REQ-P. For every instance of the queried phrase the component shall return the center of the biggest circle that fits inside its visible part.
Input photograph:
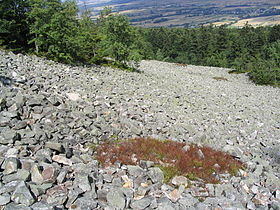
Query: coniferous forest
(56, 30)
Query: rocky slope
(50, 113)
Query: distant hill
(190, 13)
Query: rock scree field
(54, 116)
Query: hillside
(52, 115)
(190, 13)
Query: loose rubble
(52, 115)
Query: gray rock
(21, 174)
(61, 159)
(41, 206)
(200, 154)
(4, 121)
(135, 170)
(180, 180)
(2, 103)
(5, 199)
(14, 206)
(72, 196)
(156, 174)
(166, 206)
(20, 125)
(9, 136)
(84, 203)
(146, 164)
(116, 199)
(9, 187)
(41, 189)
(82, 181)
(141, 204)
(188, 200)
(36, 175)
(22, 195)
(275, 205)
(36, 100)
(11, 165)
(54, 146)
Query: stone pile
(52, 116)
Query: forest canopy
(55, 30)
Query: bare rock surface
(51, 113)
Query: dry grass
(181, 64)
(220, 78)
(170, 155)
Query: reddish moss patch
(170, 154)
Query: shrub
(171, 157)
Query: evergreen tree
(14, 30)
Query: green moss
(233, 170)
(197, 163)
(191, 176)
(169, 172)
(93, 146)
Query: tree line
(55, 30)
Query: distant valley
(190, 13)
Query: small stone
(245, 188)
(72, 196)
(11, 165)
(186, 148)
(128, 184)
(54, 146)
(61, 177)
(255, 189)
(180, 180)
(49, 175)
(20, 125)
(250, 205)
(82, 181)
(14, 206)
(199, 192)
(9, 187)
(11, 153)
(146, 164)
(4, 121)
(116, 199)
(135, 170)
(156, 175)
(57, 195)
(277, 194)
(84, 203)
(73, 96)
(21, 174)
(174, 195)
(42, 206)
(4, 199)
(2, 103)
(36, 175)
(9, 136)
(22, 195)
(275, 205)
(200, 154)
(35, 101)
(41, 189)
(62, 160)
(140, 193)
(260, 199)
(188, 200)
(141, 204)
